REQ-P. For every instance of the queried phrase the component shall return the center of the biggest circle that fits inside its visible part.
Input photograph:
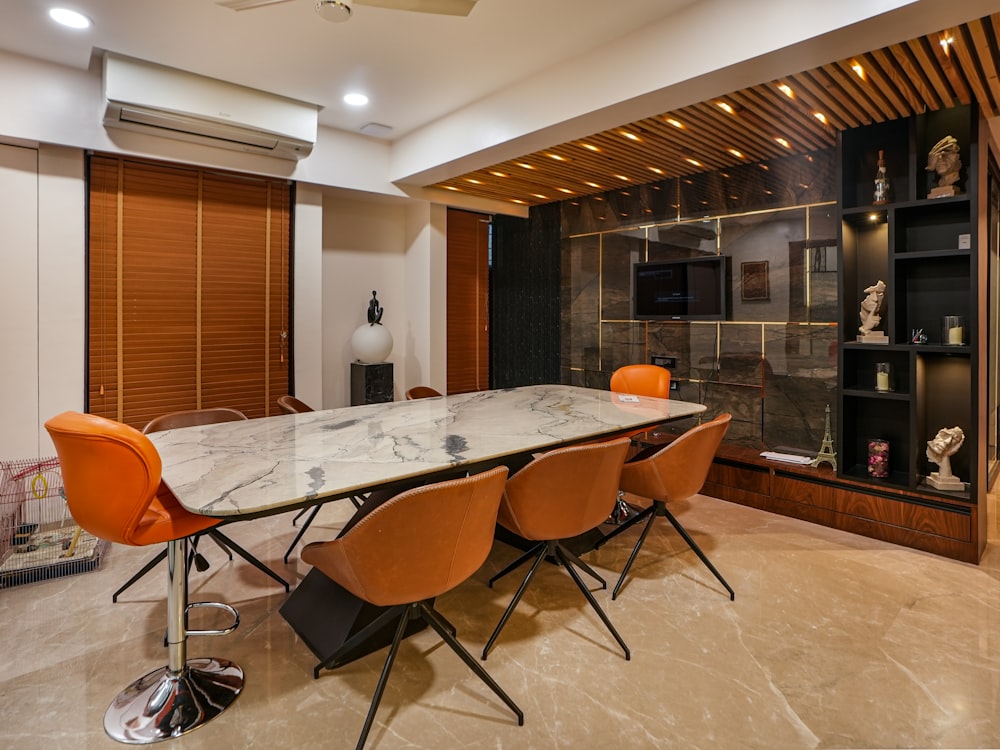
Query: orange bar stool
(421, 391)
(406, 552)
(111, 475)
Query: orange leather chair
(560, 494)
(642, 380)
(111, 475)
(421, 391)
(291, 405)
(673, 472)
(192, 418)
(410, 549)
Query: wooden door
(468, 336)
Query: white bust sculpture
(870, 307)
(940, 450)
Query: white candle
(955, 335)
(881, 381)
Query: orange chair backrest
(417, 545)
(421, 391)
(679, 469)
(110, 472)
(642, 380)
(193, 418)
(564, 492)
(292, 405)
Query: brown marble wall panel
(744, 403)
(602, 212)
(619, 252)
(800, 381)
(622, 344)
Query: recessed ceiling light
(946, 42)
(782, 142)
(656, 170)
(725, 107)
(630, 136)
(474, 182)
(785, 89)
(693, 162)
(524, 165)
(540, 196)
(556, 157)
(69, 18)
(734, 152)
(355, 100)
(591, 147)
(820, 116)
(565, 190)
(592, 184)
(451, 187)
(675, 123)
(858, 69)
(517, 200)
(622, 177)
(496, 173)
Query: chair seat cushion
(166, 519)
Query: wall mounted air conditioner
(172, 103)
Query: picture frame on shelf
(755, 284)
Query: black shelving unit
(926, 250)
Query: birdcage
(38, 537)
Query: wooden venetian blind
(468, 358)
(188, 290)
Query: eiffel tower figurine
(826, 451)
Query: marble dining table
(246, 469)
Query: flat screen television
(683, 289)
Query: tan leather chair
(673, 472)
(192, 418)
(111, 476)
(421, 391)
(561, 494)
(291, 405)
(410, 549)
(642, 380)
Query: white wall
(41, 294)
(366, 244)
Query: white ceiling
(415, 67)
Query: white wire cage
(39, 539)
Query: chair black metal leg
(219, 536)
(145, 569)
(362, 636)
(543, 549)
(312, 514)
(593, 602)
(585, 568)
(697, 550)
(221, 546)
(631, 557)
(433, 618)
(384, 677)
(624, 527)
(516, 564)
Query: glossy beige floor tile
(834, 641)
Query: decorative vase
(878, 459)
(371, 343)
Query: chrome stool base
(164, 704)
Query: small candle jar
(878, 458)
(883, 377)
(953, 330)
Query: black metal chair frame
(658, 508)
(541, 551)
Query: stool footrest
(216, 605)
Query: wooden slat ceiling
(762, 122)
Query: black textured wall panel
(524, 298)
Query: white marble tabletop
(272, 464)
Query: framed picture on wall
(755, 285)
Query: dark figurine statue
(374, 311)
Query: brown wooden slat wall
(188, 290)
